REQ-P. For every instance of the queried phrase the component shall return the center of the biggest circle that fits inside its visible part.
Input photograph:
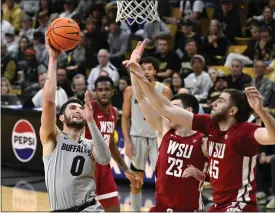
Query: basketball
(63, 34)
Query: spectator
(265, 48)
(190, 49)
(13, 14)
(219, 86)
(261, 17)
(24, 43)
(215, 43)
(79, 86)
(169, 61)
(191, 9)
(214, 74)
(186, 33)
(268, 20)
(68, 9)
(44, 7)
(12, 45)
(271, 71)
(104, 64)
(8, 64)
(118, 98)
(5, 86)
(35, 87)
(261, 82)
(43, 20)
(199, 82)
(176, 83)
(30, 8)
(237, 79)
(27, 29)
(39, 46)
(118, 40)
(154, 30)
(248, 55)
(5, 26)
(230, 19)
(63, 81)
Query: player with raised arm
(179, 148)
(232, 142)
(139, 138)
(68, 158)
(106, 116)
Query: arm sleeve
(245, 142)
(201, 123)
(102, 151)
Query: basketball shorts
(106, 187)
(234, 207)
(160, 208)
(144, 148)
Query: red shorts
(161, 208)
(234, 207)
(106, 188)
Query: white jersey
(69, 173)
(139, 126)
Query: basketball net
(137, 11)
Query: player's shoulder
(129, 90)
(246, 127)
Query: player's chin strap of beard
(78, 208)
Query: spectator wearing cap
(27, 29)
(169, 62)
(12, 45)
(219, 86)
(5, 26)
(186, 33)
(104, 64)
(237, 79)
(215, 43)
(154, 30)
(8, 64)
(265, 48)
(118, 40)
(230, 19)
(261, 82)
(248, 55)
(13, 14)
(198, 82)
(43, 20)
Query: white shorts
(144, 148)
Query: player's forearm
(102, 152)
(269, 123)
(136, 88)
(125, 124)
(49, 88)
(117, 156)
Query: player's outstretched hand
(254, 98)
(192, 171)
(138, 51)
(88, 109)
(134, 68)
(135, 180)
(54, 54)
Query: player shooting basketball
(68, 158)
(232, 145)
(179, 148)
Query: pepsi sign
(24, 140)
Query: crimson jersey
(232, 161)
(173, 191)
(105, 183)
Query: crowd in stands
(203, 47)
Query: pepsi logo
(24, 140)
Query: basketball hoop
(137, 11)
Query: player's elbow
(104, 159)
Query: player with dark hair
(232, 145)
(68, 158)
(139, 138)
(106, 116)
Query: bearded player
(232, 145)
(106, 116)
(68, 158)
(179, 148)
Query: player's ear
(113, 91)
(233, 111)
(61, 118)
(190, 109)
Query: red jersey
(105, 122)
(173, 191)
(232, 161)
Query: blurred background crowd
(202, 46)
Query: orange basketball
(63, 34)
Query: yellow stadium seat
(249, 71)
(175, 12)
(223, 69)
(242, 41)
(172, 28)
(236, 49)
